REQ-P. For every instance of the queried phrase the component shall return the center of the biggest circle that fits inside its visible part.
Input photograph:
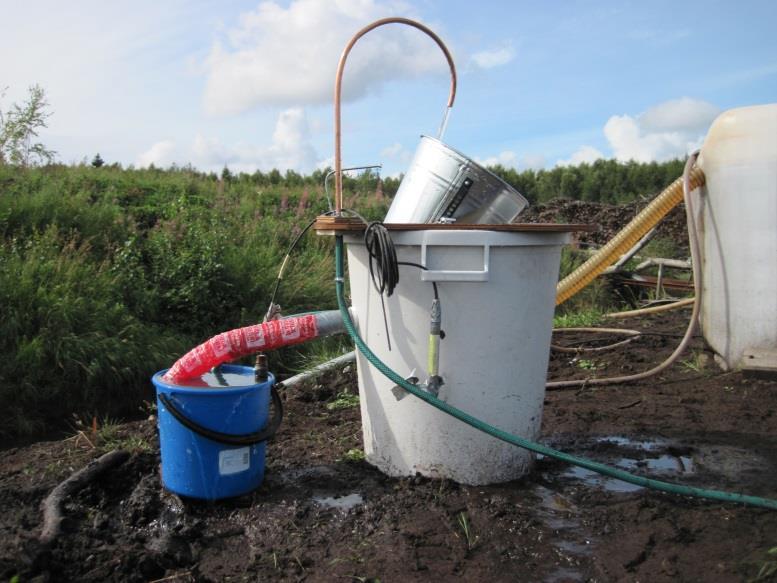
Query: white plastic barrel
(739, 226)
(497, 291)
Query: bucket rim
(510, 188)
(469, 237)
(166, 386)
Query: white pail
(497, 291)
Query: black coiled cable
(384, 268)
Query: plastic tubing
(632, 335)
(717, 495)
(627, 237)
(687, 186)
(685, 303)
(233, 344)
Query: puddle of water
(648, 457)
(623, 441)
(660, 458)
(554, 507)
(339, 502)
(590, 477)
(665, 463)
(561, 515)
(661, 466)
(563, 575)
(573, 548)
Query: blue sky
(249, 84)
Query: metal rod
(345, 359)
(339, 83)
(331, 172)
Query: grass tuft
(343, 400)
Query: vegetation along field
(108, 274)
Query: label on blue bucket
(234, 461)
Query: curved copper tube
(339, 82)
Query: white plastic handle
(455, 275)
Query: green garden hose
(603, 469)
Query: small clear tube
(444, 124)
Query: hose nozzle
(433, 364)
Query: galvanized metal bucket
(443, 185)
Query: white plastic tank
(739, 229)
(497, 292)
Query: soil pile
(609, 218)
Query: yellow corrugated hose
(626, 238)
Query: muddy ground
(324, 515)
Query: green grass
(108, 275)
(697, 363)
(466, 529)
(110, 436)
(586, 319)
(587, 364)
(343, 400)
(317, 353)
(768, 569)
(662, 247)
(354, 455)
(587, 307)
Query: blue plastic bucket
(206, 434)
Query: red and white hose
(239, 342)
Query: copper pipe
(339, 82)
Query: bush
(109, 275)
(67, 339)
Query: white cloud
(533, 162)
(583, 155)
(684, 114)
(493, 58)
(160, 154)
(290, 149)
(326, 163)
(671, 129)
(283, 56)
(397, 152)
(506, 158)
(509, 159)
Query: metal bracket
(400, 393)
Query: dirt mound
(609, 218)
(324, 515)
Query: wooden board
(331, 225)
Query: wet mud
(324, 515)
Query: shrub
(67, 340)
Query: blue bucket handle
(227, 438)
